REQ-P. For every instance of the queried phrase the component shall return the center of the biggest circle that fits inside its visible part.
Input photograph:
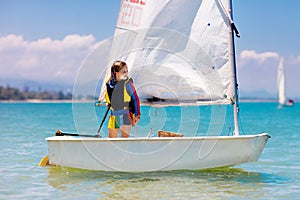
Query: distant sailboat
(281, 88)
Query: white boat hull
(154, 154)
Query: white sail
(175, 50)
(281, 83)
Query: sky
(46, 40)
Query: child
(123, 101)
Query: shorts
(116, 121)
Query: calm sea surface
(24, 127)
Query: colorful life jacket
(117, 95)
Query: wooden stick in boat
(162, 133)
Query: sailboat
(281, 88)
(179, 54)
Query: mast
(235, 99)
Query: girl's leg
(112, 128)
(113, 133)
(125, 131)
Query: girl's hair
(116, 67)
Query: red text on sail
(131, 12)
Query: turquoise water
(24, 127)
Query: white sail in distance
(175, 50)
(281, 83)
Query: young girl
(123, 100)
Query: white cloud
(12, 42)
(44, 60)
(70, 42)
(258, 57)
(297, 60)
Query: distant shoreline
(46, 101)
(257, 100)
(93, 101)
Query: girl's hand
(136, 119)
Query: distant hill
(259, 94)
(83, 91)
(35, 86)
(12, 93)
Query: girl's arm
(134, 98)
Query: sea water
(24, 127)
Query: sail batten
(175, 50)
